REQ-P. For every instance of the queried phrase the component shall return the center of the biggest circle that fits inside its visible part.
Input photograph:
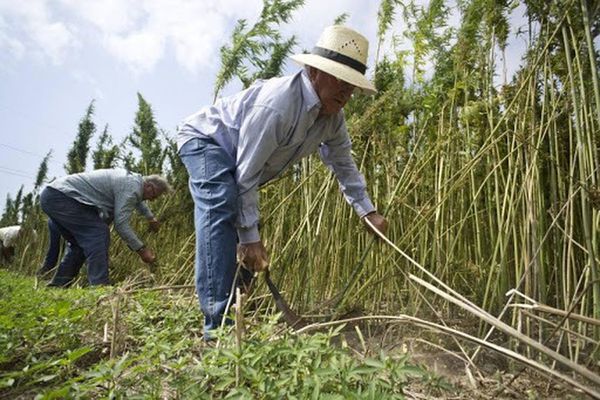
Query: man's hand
(377, 220)
(153, 225)
(146, 255)
(253, 256)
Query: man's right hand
(146, 255)
(253, 256)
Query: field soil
(490, 375)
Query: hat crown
(346, 42)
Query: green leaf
(76, 354)
(8, 382)
(224, 383)
(364, 370)
(374, 363)
(413, 370)
(46, 378)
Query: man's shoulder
(280, 93)
(129, 186)
(119, 176)
(114, 172)
(281, 83)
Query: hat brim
(340, 71)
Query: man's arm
(125, 203)
(143, 209)
(257, 141)
(336, 154)
(124, 206)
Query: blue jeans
(87, 234)
(214, 190)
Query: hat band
(338, 57)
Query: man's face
(150, 192)
(333, 93)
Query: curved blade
(289, 316)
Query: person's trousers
(214, 190)
(87, 234)
(53, 247)
(6, 254)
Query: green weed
(68, 344)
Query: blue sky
(58, 55)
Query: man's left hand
(378, 221)
(253, 256)
(147, 255)
(153, 225)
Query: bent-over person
(9, 236)
(83, 205)
(241, 142)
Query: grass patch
(92, 343)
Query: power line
(9, 172)
(26, 152)
(18, 171)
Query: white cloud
(139, 50)
(30, 27)
(194, 29)
(54, 39)
(109, 16)
(138, 33)
(14, 47)
(135, 32)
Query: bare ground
(489, 376)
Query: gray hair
(159, 183)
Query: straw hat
(341, 52)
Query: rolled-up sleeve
(257, 141)
(336, 154)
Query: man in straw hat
(249, 138)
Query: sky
(56, 56)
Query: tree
(42, 173)
(177, 174)
(11, 209)
(145, 139)
(385, 18)
(77, 155)
(7, 218)
(106, 153)
(28, 207)
(260, 46)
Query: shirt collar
(311, 99)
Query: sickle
(289, 316)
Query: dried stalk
(115, 326)
(511, 332)
(454, 332)
(555, 325)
